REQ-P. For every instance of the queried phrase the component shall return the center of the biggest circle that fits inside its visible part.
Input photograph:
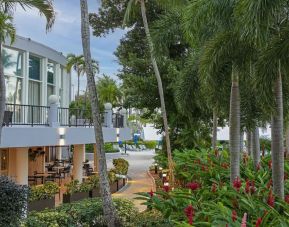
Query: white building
(42, 124)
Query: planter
(94, 193)
(40, 205)
(114, 187)
(68, 198)
(121, 183)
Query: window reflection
(12, 62)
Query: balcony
(32, 115)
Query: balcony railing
(16, 114)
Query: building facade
(39, 126)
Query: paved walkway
(139, 180)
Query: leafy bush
(203, 193)
(45, 191)
(13, 200)
(150, 144)
(74, 187)
(151, 218)
(87, 212)
(111, 175)
(121, 166)
(108, 147)
(93, 181)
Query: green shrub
(89, 148)
(13, 199)
(93, 181)
(74, 187)
(88, 212)
(151, 218)
(108, 147)
(121, 166)
(111, 175)
(150, 144)
(45, 191)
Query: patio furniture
(7, 120)
(32, 179)
(88, 169)
(66, 170)
(42, 176)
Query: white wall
(151, 133)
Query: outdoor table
(58, 168)
(42, 176)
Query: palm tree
(265, 22)
(108, 91)
(109, 210)
(159, 81)
(77, 63)
(7, 30)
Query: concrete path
(139, 180)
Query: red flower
(271, 199)
(234, 215)
(166, 188)
(270, 164)
(214, 187)
(225, 165)
(189, 212)
(151, 193)
(258, 222)
(258, 166)
(287, 198)
(237, 184)
(247, 188)
(193, 186)
(269, 184)
(250, 187)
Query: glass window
(13, 89)
(12, 62)
(50, 73)
(34, 98)
(4, 162)
(34, 67)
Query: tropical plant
(77, 63)
(109, 210)
(121, 166)
(45, 191)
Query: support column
(95, 158)
(22, 166)
(59, 153)
(84, 157)
(78, 162)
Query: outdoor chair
(88, 170)
(7, 120)
(32, 179)
(66, 170)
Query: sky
(65, 36)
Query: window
(4, 162)
(12, 62)
(50, 79)
(13, 70)
(34, 68)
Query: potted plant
(94, 183)
(121, 168)
(76, 191)
(112, 181)
(42, 196)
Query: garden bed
(68, 198)
(40, 205)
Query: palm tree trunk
(109, 210)
(2, 93)
(78, 84)
(256, 147)
(161, 92)
(277, 139)
(215, 127)
(241, 141)
(235, 127)
(249, 142)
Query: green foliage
(87, 212)
(45, 191)
(93, 181)
(152, 218)
(111, 176)
(121, 166)
(74, 187)
(150, 144)
(13, 200)
(108, 147)
(215, 199)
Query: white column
(57, 79)
(123, 112)
(44, 82)
(84, 157)
(108, 115)
(53, 111)
(59, 153)
(25, 78)
(78, 162)
(22, 166)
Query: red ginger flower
(269, 184)
(244, 220)
(250, 187)
(287, 198)
(234, 215)
(193, 186)
(270, 164)
(258, 222)
(151, 193)
(237, 184)
(214, 187)
(166, 188)
(271, 199)
(189, 211)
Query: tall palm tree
(77, 63)
(266, 22)
(7, 8)
(159, 80)
(108, 207)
